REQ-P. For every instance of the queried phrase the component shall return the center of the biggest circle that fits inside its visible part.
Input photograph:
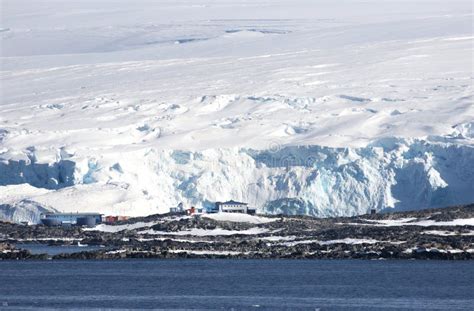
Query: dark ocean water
(238, 284)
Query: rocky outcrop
(446, 233)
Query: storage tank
(50, 222)
(87, 221)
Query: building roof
(233, 203)
(71, 214)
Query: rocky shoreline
(445, 233)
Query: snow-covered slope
(314, 107)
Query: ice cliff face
(311, 180)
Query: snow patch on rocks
(204, 232)
(237, 217)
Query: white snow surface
(205, 232)
(455, 222)
(351, 241)
(448, 233)
(419, 222)
(237, 217)
(326, 108)
(118, 228)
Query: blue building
(79, 219)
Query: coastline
(444, 234)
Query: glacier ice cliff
(401, 174)
(43, 175)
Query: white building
(177, 209)
(234, 207)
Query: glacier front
(309, 180)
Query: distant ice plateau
(297, 107)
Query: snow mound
(119, 228)
(18, 203)
(237, 217)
